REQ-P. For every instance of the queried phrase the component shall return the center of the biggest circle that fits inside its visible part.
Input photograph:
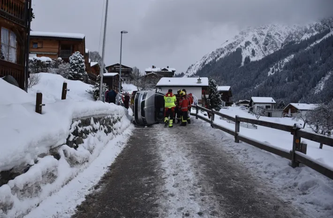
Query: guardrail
(298, 153)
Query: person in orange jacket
(190, 100)
(184, 105)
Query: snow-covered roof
(182, 81)
(304, 106)
(58, 35)
(223, 88)
(42, 59)
(157, 69)
(93, 63)
(268, 100)
(109, 74)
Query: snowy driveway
(181, 172)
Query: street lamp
(102, 67)
(121, 45)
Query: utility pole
(28, 17)
(103, 51)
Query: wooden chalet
(126, 72)
(111, 80)
(161, 72)
(293, 109)
(15, 18)
(226, 94)
(94, 71)
(58, 45)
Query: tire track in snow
(183, 194)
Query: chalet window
(8, 45)
(66, 51)
(35, 45)
(268, 106)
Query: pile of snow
(42, 59)
(129, 88)
(25, 135)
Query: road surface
(181, 172)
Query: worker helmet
(182, 93)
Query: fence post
(296, 146)
(237, 128)
(64, 91)
(196, 111)
(212, 118)
(39, 104)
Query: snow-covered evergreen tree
(77, 69)
(215, 101)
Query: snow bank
(25, 134)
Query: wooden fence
(298, 152)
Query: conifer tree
(77, 69)
(215, 101)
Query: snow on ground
(25, 134)
(274, 137)
(301, 186)
(129, 88)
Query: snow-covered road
(182, 172)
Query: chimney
(199, 80)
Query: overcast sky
(174, 33)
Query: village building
(226, 94)
(15, 18)
(161, 72)
(294, 109)
(264, 106)
(94, 71)
(111, 80)
(154, 74)
(199, 87)
(58, 45)
(244, 102)
(126, 72)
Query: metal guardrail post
(296, 146)
(237, 129)
(196, 111)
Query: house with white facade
(264, 106)
(198, 86)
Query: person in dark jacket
(111, 96)
(126, 100)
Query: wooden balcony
(16, 70)
(13, 10)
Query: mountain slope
(286, 63)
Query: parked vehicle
(148, 108)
